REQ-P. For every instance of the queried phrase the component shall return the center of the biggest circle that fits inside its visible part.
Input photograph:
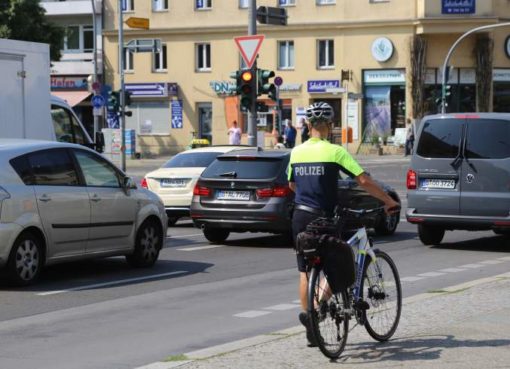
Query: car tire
(172, 221)
(26, 260)
(148, 243)
(430, 235)
(387, 224)
(216, 235)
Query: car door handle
(95, 198)
(44, 198)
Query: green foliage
(24, 20)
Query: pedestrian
(313, 175)
(305, 131)
(234, 134)
(409, 145)
(289, 135)
(279, 143)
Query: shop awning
(72, 97)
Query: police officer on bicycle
(313, 174)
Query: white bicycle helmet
(319, 112)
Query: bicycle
(374, 299)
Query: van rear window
(488, 139)
(440, 138)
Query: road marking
(410, 279)
(452, 270)
(111, 283)
(471, 266)
(186, 235)
(200, 248)
(505, 258)
(430, 274)
(491, 262)
(252, 314)
(281, 307)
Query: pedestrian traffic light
(127, 98)
(265, 87)
(113, 101)
(246, 86)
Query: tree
(24, 20)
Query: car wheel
(25, 260)
(148, 243)
(430, 235)
(216, 235)
(387, 224)
(172, 221)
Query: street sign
(272, 15)
(249, 47)
(135, 22)
(97, 112)
(144, 45)
(97, 101)
(278, 81)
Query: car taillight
(144, 184)
(411, 179)
(277, 191)
(201, 191)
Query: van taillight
(277, 191)
(144, 184)
(411, 179)
(201, 191)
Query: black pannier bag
(321, 239)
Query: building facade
(72, 76)
(356, 55)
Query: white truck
(27, 108)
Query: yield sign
(249, 47)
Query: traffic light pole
(252, 113)
(121, 94)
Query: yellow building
(186, 89)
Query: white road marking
(430, 274)
(471, 266)
(491, 262)
(411, 279)
(200, 248)
(296, 302)
(186, 235)
(282, 307)
(505, 258)
(452, 270)
(252, 314)
(111, 283)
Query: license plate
(173, 183)
(233, 195)
(438, 183)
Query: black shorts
(300, 219)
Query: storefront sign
(321, 86)
(382, 49)
(459, 6)
(223, 88)
(290, 87)
(467, 76)
(501, 75)
(157, 89)
(385, 76)
(176, 113)
(352, 118)
(68, 83)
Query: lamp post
(94, 31)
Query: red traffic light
(247, 76)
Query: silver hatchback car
(63, 202)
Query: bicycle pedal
(361, 305)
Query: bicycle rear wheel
(327, 311)
(380, 287)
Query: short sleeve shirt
(314, 167)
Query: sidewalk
(464, 326)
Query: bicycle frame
(361, 247)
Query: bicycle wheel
(328, 319)
(380, 287)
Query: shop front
(501, 93)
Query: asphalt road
(103, 314)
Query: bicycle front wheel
(328, 317)
(381, 289)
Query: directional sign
(97, 101)
(249, 47)
(134, 22)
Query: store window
(160, 60)
(285, 54)
(203, 57)
(326, 54)
(501, 94)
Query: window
(96, 171)
(440, 138)
(21, 166)
(286, 54)
(67, 128)
(79, 38)
(53, 168)
(128, 5)
(243, 4)
(160, 60)
(203, 4)
(128, 60)
(258, 168)
(326, 54)
(286, 2)
(488, 139)
(326, 2)
(203, 57)
(159, 5)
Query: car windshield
(191, 160)
(244, 168)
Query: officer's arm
(376, 191)
(292, 186)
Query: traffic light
(265, 87)
(113, 101)
(127, 98)
(246, 85)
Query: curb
(227, 348)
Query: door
(12, 103)
(205, 121)
(113, 211)
(63, 204)
(485, 178)
(437, 164)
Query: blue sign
(176, 113)
(97, 101)
(322, 85)
(157, 89)
(459, 7)
(112, 119)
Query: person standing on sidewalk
(305, 130)
(290, 135)
(409, 140)
(313, 175)
(234, 134)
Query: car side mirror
(128, 184)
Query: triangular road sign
(249, 47)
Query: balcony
(71, 7)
